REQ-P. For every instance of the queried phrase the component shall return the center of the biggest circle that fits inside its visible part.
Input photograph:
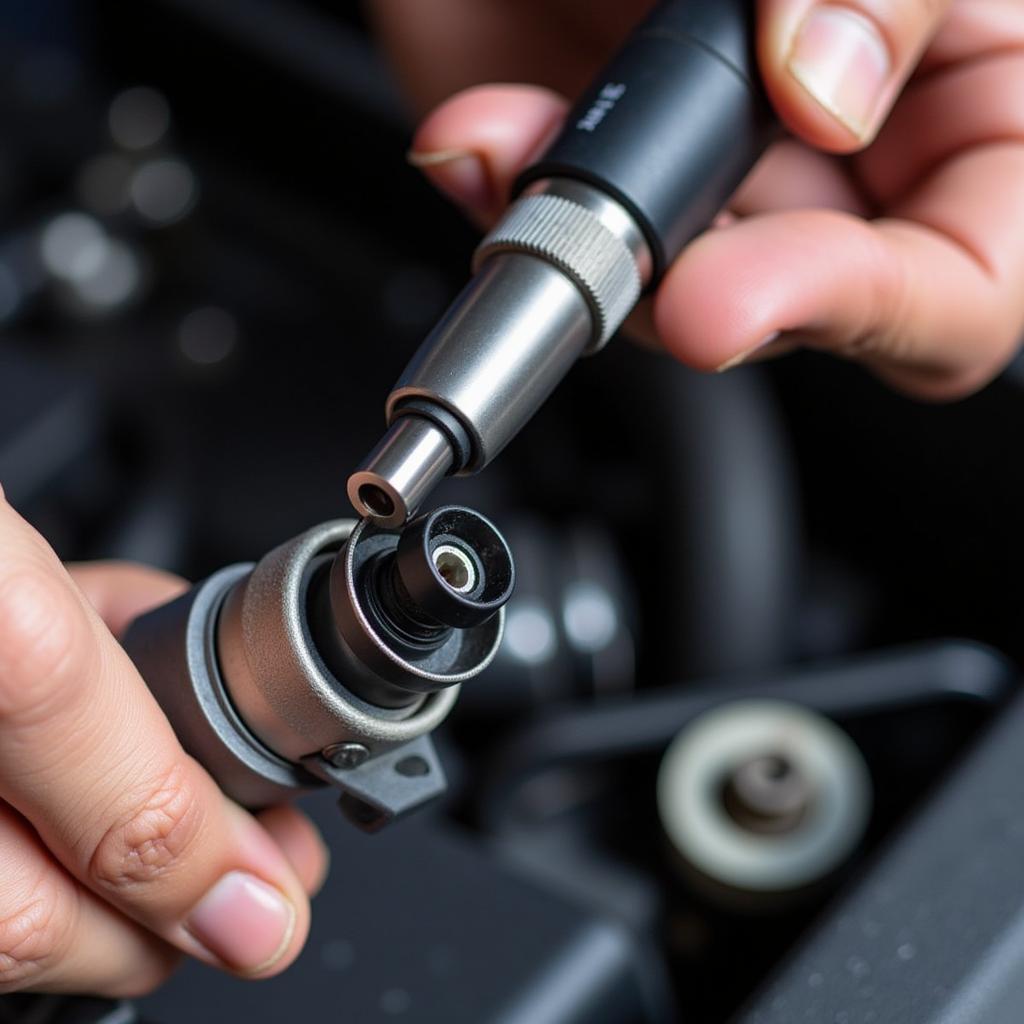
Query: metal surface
(570, 237)
(609, 213)
(499, 351)
(237, 665)
(769, 793)
(702, 759)
(378, 790)
(345, 755)
(554, 280)
(411, 459)
(361, 647)
(174, 648)
(276, 676)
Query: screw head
(345, 755)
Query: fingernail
(840, 58)
(743, 356)
(244, 922)
(458, 172)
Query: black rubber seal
(446, 422)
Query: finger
(981, 26)
(301, 843)
(473, 146)
(977, 103)
(56, 936)
(121, 591)
(833, 70)
(792, 176)
(89, 759)
(918, 306)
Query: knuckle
(39, 642)
(33, 938)
(154, 838)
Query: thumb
(834, 70)
(474, 144)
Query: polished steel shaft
(554, 280)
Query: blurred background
(214, 262)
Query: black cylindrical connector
(673, 124)
(455, 567)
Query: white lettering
(606, 99)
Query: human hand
(117, 850)
(889, 230)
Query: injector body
(331, 660)
(648, 156)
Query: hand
(117, 850)
(907, 256)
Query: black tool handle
(673, 124)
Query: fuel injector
(648, 156)
(332, 659)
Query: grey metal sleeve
(274, 672)
(575, 240)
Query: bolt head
(345, 755)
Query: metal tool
(648, 156)
(331, 659)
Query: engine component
(332, 659)
(763, 796)
(933, 932)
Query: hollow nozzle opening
(455, 566)
(411, 459)
(376, 500)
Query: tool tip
(373, 498)
(400, 472)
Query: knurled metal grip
(572, 238)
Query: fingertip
(735, 289)
(711, 309)
(512, 117)
(791, 86)
(255, 920)
(835, 68)
(248, 926)
(474, 144)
